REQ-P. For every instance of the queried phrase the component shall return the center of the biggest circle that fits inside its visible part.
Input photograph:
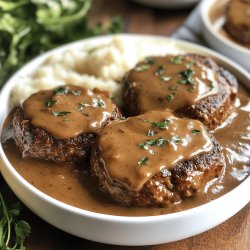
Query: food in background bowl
(238, 20)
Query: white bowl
(122, 230)
(168, 4)
(211, 32)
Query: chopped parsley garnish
(172, 88)
(161, 124)
(191, 90)
(151, 133)
(176, 60)
(196, 131)
(160, 70)
(190, 64)
(176, 139)
(50, 102)
(149, 60)
(160, 142)
(143, 161)
(60, 113)
(76, 92)
(66, 90)
(99, 102)
(170, 97)
(187, 77)
(82, 106)
(165, 78)
(61, 91)
(142, 67)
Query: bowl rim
(107, 217)
(206, 6)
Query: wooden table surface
(232, 234)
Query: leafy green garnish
(162, 124)
(176, 60)
(176, 139)
(143, 161)
(142, 67)
(151, 133)
(61, 91)
(99, 102)
(31, 27)
(170, 97)
(160, 142)
(50, 102)
(60, 113)
(13, 232)
(82, 106)
(187, 77)
(196, 131)
(160, 70)
(76, 92)
(149, 60)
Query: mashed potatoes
(92, 66)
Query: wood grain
(233, 234)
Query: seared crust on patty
(38, 143)
(167, 187)
(211, 110)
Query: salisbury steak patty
(191, 86)
(61, 124)
(155, 159)
(238, 20)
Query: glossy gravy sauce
(171, 82)
(71, 183)
(85, 113)
(136, 149)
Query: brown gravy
(71, 184)
(136, 149)
(85, 113)
(171, 82)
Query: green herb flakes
(151, 133)
(82, 106)
(176, 139)
(60, 113)
(170, 97)
(160, 70)
(50, 103)
(187, 77)
(142, 67)
(149, 60)
(61, 91)
(161, 124)
(143, 161)
(196, 131)
(176, 60)
(76, 92)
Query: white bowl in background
(212, 34)
(123, 230)
(168, 4)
